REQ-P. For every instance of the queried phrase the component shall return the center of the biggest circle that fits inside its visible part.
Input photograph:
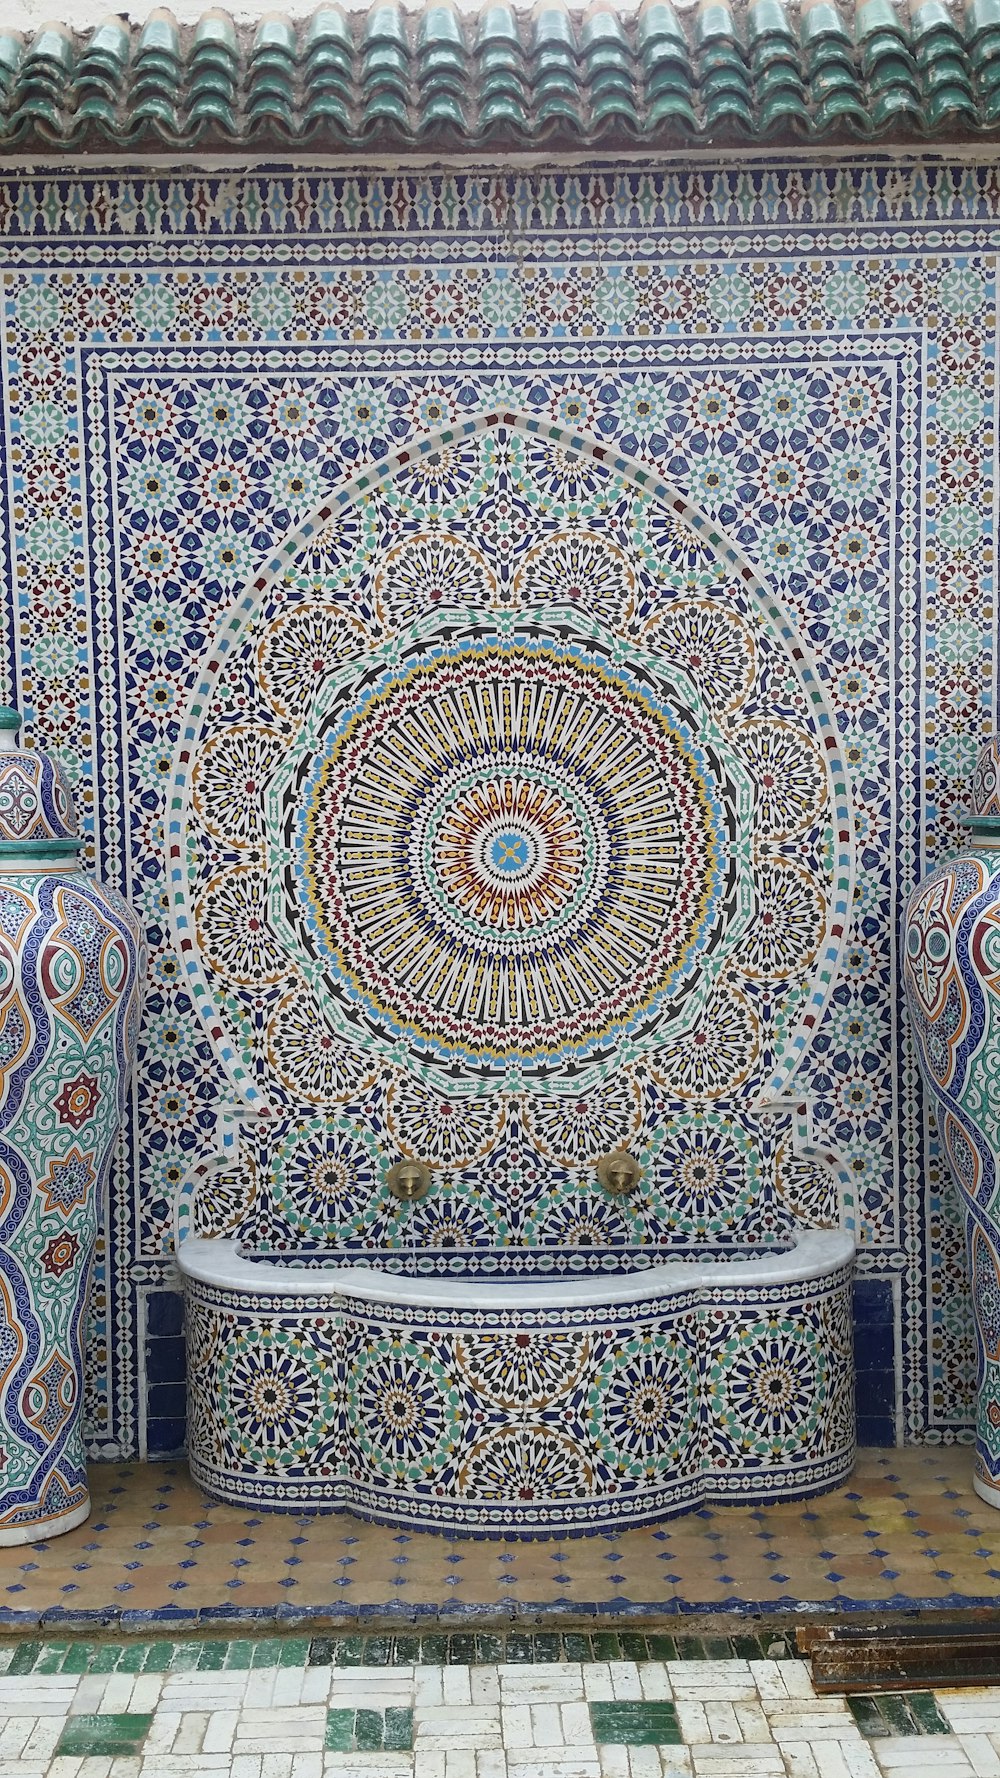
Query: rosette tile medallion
(71, 967)
(513, 834)
(952, 974)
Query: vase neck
(38, 857)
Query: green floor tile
(369, 1726)
(520, 1648)
(925, 1712)
(339, 1731)
(606, 1646)
(239, 1656)
(662, 1648)
(869, 1718)
(634, 1646)
(213, 1656)
(267, 1652)
(51, 1657)
(490, 1649)
(105, 1657)
(461, 1650)
(691, 1648)
(378, 1651)
(25, 1656)
(369, 1731)
(405, 1651)
(547, 1647)
(635, 1724)
(159, 1657)
(577, 1647)
(895, 1709)
(185, 1657)
(294, 1652)
(348, 1651)
(77, 1658)
(433, 1651)
(398, 1735)
(133, 1657)
(109, 1734)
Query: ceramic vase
(951, 966)
(71, 968)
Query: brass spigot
(408, 1180)
(619, 1172)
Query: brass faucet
(619, 1172)
(408, 1180)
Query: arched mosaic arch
(508, 782)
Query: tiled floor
(287, 1710)
(908, 1530)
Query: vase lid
(36, 807)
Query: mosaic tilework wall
(192, 365)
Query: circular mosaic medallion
(405, 1410)
(710, 1176)
(522, 1371)
(774, 1376)
(276, 1393)
(509, 848)
(325, 1180)
(445, 1132)
(522, 1463)
(643, 1406)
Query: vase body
(71, 967)
(951, 967)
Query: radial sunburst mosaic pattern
(510, 853)
(548, 801)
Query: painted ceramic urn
(71, 967)
(951, 964)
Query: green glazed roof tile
(557, 75)
(495, 25)
(603, 28)
(876, 16)
(385, 22)
(985, 50)
(843, 108)
(439, 27)
(52, 48)
(553, 26)
(948, 101)
(767, 18)
(713, 20)
(891, 104)
(658, 23)
(160, 36)
(821, 22)
(981, 15)
(216, 30)
(673, 109)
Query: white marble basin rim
(815, 1253)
